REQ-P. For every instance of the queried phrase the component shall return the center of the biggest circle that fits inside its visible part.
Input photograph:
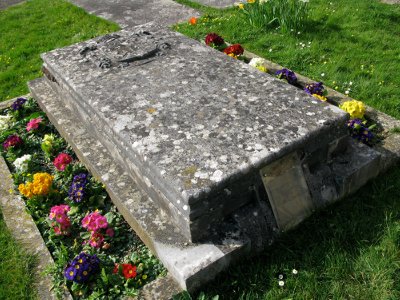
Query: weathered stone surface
(131, 13)
(190, 124)
(191, 265)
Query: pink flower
(33, 124)
(110, 232)
(61, 161)
(96, 240)
(94, 221)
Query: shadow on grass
(326, 248)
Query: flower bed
(360, 127)
(96, 253)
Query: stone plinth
(192, 126)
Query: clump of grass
(34, 27)
(16, 268)
(288, 15)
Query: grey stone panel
(192, 145)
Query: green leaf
(103, 276)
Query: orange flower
(193, 21)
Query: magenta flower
(33, 124)
(61, 161)
(12, 141)
(110, 232)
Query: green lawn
(35, 27)
(16, 268)
(352, 249)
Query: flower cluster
(287, 74)
(213, 39)
(359, 131)
(48, 143)
(82, 267)
(33, 124)
(41, 185)
(17, 104)
(21, 164)
(258, 63)
(128, 270)
(314, 88)
(355, 108)
(61, 223)
(76, 191)
(12, 141)
(61, 161)
(5, 122)
(234, 50)
(95, 222)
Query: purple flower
(82, 267)
(314, 88)
(12, 141)
(287, 74)
(359, 131)
(77, 190)
(17, 104)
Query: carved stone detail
(113, 50)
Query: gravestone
(225, 156)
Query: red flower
(235, 49)
(215, 39)
(61, 161)
(128, 271)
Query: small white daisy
(294, 271)
(281, 283)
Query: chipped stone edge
(24, 229)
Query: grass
(35, 27)
(350, 250)
(16, 278)
(344, 41)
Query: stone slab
(287, 191)
(128, 13)
(190, 123)
(191, 265)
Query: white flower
(281, 283)
(22, 163)
(294, 271)
(347, 92)
(5, 122)
(322, 74)
(257, 61)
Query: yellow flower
(144, 277)
(251, 1)
(319, 97)
(233, 55)
(355, 108)
(40, 185)
(241, 6)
